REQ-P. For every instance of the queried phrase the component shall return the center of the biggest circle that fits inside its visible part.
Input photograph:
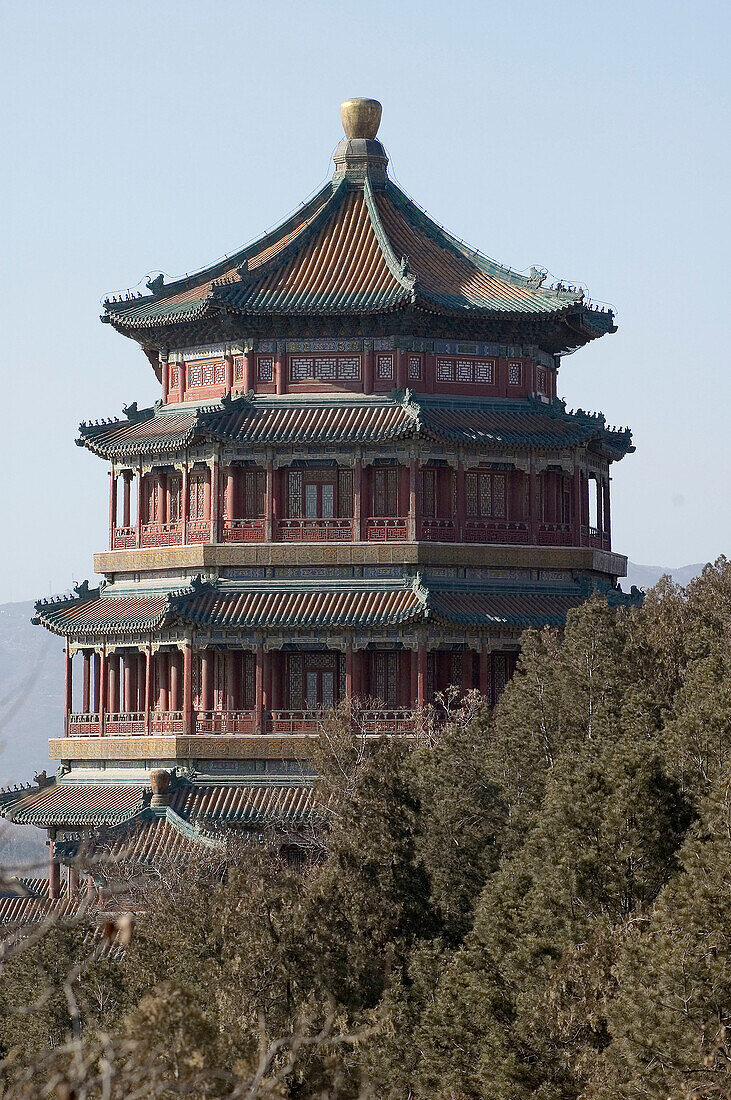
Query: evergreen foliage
(533, 902)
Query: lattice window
(385, 491)
(385, 678)
(541, 379)
(239, 368)
(219, 675)
(486, 494)
(455, 676)
(471, 501)
(463, 371)
(150, 500)
(265, 368)
(384, 367)
(445, 370)
(254, 492)
(195, 375)
(197, 495)
(325, 368)
(294, 494)
(248, 681)
(515, 374)
(206, 374)
(345, 494)
(498, 495)
(197, 679)
(428, 493)
(294, 683)
(176, 493)
(485, 371)
(499, 675)
(174, 379)
(414, 367)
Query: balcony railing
(316, 530)
(555, 534)
(83, 725)
(438, 530)
(161, 534)
(491, 530)
(243, 530)
(224, 721)
(124, 538)
(400, 720)
(199, 530)
(383, 529)
(125, 724)
(167, 721)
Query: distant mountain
(645, 576)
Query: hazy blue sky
(592, 139)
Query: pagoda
(358, 481)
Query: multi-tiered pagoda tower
(358, 481)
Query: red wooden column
(421, 674)
(68, 682)
(369, 360)
(97, 683)
(461, 499)
(54, 872)
(162, 497)
(269, 502)
(357, 673)
(174, 681)
(467, 684)
(485, 671)
(181, 381)
(126, 494)
(533, 504)
(358, 529)
(188, 688)
(129, 661)
(280, 372)
(185, 504)
(229, 680)
(414, 677)
(113, 681)
(86, 683)
(259, 690)
(148, 685)
(112, 507)
(249, 372)
(349, 670)
(413, 498)
(576, 506)
(103, 681)
(277, 665)
(607, 525)
(213, 500)
(404, 685)
(206, 679)
(402, 359)
(229, 360)
(230, 506)
(163, 679)
(165, 370)
(138, 523)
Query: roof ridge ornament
(360, 156)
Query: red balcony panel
(83, 725)
(199, 530)
(296, 721)
(167, 721)
(386, 530)
(124, 538)
(438, 530)
(243, 530)
(555, 534)
(122, 724)
(488, 530)
(224, 721)
(315, 530)
(161, 534)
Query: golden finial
(361, 117)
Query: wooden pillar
(402, 359)
(533, 517)
(86, 683)
(148, 684)
(181, 381)
(54, 873)
(162, 497)
(126, 494)
(103, 689)
(174, 680)
(113, 682)
(259, 690)
(112, 506)
(461, 499)
(213, 500)
(206, 679)
(357, 673)
(72, 881)
(185, 503)
(68, 681)
(485, 671)
(369, 360)
(404, 684)
(269, 502)
(188, 688)
(130, 682)
(349, 670)
(277, 677)
(97, 683)
(359, 533)
(413, 498)
(165, 371)
(163, 680)
(576, 506)
(280, 372)
(421, 674)
(229, 360)
(230, 506)
(138, 518)
(466, 684)
(249, 372)
(606, 518)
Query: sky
(589, 139)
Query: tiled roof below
(78, 803)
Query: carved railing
(161, 534)
(382, 529)
(400, 720)
(83, 725)
(224, 721)
(594, 537)
(438, 530)
(124, 538)
(125, 724)
(243, 530)
(315, 530)
(490, 530)
(199, 530)
(296, 721)
(167, 721)
(555, 534)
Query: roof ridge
(399, 269)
